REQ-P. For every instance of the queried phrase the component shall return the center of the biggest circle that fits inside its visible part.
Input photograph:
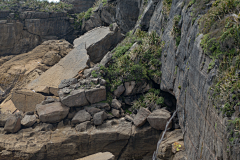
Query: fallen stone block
(26, 100)
(80, 117)
(52, 112)
(13, 124)
(28, 120)
(99, 117)
(141, 117)
(159, 118)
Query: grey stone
(3, 118)
(28, 120)
(116, 113)
(48, 100)
(52, 112)
(44, 127)
(71, 114)
(129, 86)
(84, 126)
(67, 82)
(104, 106)
(76, 98)
(81, 116)
(128, 118)
(141, 117)
(106, 59)
(99, 117)
(96, 95)
(13, 124)
(159, 118)
(103, 82)
(119, 91)
(92, 110)
(116, 104)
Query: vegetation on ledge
(34, 5)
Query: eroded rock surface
(77, 59)
(112, 136)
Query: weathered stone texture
(35, 27)
(197, 116)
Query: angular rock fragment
(159, 118)
(116, 104)
(96, 94)
(3, 118)
(141, 117)
(13, 124)
(67, 82)
(119, 91)
(128, 118)
(116, 113)
(52, 112)
(28, 120)
(99, 117)
(26, 100)
(80, 117)
(83, 126)
(76, 98)
(92, 110)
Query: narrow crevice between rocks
(125, 147)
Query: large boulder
(159, 118)
(13, 124)
(75, 98)
(99, 156)
(80, 117)
(26, 100)
(52, 112)
(141, 117)
(99, 117)
(28, 120)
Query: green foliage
(36, 5)
(141, 63)
(152, 97)
(222, 43)
(160, 101)
(177, 29)
(191, 3)
(88, 13)
(95, 74)
(167, 6)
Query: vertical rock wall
(31, 29)
(185, 75)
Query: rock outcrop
(112, 136)
(77, 59)
(17, 71)
(31, 29)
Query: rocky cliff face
(31, 29)
(185, 74)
